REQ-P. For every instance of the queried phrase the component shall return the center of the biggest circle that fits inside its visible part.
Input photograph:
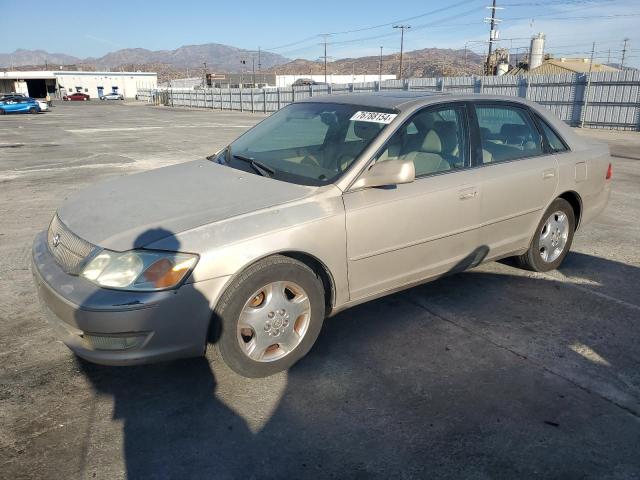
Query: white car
(112, 96)
(44, 106)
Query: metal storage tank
(502, 68)
(536, 51)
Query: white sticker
(376, 117)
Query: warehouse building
(62, 82)
(555, 66)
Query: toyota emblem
(56, 240)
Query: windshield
(308, 143)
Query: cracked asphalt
(491, 373)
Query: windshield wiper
(261, 168)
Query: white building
(61, 82)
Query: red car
(82, 97)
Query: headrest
(485, 133)
(432, 143)
(511, 130)
(366, 130)
(448, 135)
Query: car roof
(406, 100)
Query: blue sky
(570, 26)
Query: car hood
(137, 210)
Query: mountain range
(426, 62)
(189, 60)
(221, 58)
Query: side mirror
(388, 172)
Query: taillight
(609, 173)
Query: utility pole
(624, 53)
(243, 63)
(380, 67)
(609, 57)
(493, 35)
(402, 29)
(586, 93)
(260, 64)
(204, 75)
(253, 69)
(325, 36)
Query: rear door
(404, 234)
(517, 172)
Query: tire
(552, 239)
(2, 112)
(269, 324)
(33, 110)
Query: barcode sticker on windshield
(376, 117)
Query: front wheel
(552, 239)
(270, 316)
(33, 110)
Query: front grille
(68, 249)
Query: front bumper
(162, 325)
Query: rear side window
(556, 144)
(507, 133)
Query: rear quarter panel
(582, 169)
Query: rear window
(507, 133)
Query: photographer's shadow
(168, 409)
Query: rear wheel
(2, 112)
(552, 239)
(270, 316)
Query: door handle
(548, 174)
(467, 193)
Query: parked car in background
(44, 106)
(306, 82)
(81, 97)
(19, 104)
(112, 96)
(12, 94)
(330, 202)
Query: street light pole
(402, 29)
(380, 67)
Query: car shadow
(420, 384)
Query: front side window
(507, 133)
(434, 139)
(307, 143)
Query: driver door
(406, 233)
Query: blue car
(18, 104)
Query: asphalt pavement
(491, 373)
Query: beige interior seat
(429, 158)
(365, 131)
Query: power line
(345, 32)
(432, 12)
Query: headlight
(145, 270)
